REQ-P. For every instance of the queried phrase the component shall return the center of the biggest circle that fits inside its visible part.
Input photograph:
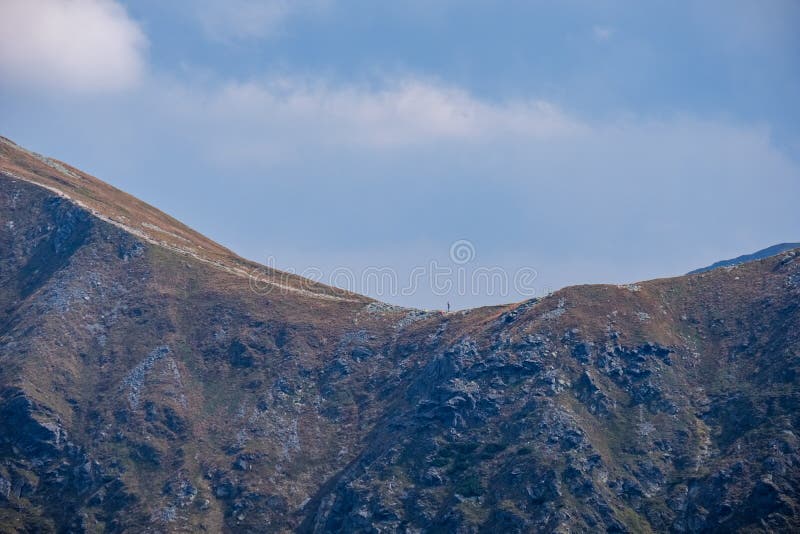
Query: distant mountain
(760, 255)
(153, 381)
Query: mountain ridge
(142, 389)
(138, 218)
(744, 258)
(235, 264)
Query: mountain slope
(148, 224)
(146, 384)
(761, 254)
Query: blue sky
(585, 141)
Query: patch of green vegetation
(474, 515)
(490, 450)
(465, 448)
(85, 192)
(446, 453)
(460, 464)
(634, 521)
(341, 397)
(461, 455)
(25, 519)
(439, 461)
(221, 395)
(469, 486)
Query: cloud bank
(72, 45)
(397, 113)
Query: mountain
(153, 381)
(761, 254)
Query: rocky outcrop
(41, 465)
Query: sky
(426, 152)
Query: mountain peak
(759, 255)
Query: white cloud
(247, 19)
(400, 114)
(73, 45)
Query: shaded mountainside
(145, 386)
(761, 254)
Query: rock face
(147, 384)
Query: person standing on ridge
(448, 306)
